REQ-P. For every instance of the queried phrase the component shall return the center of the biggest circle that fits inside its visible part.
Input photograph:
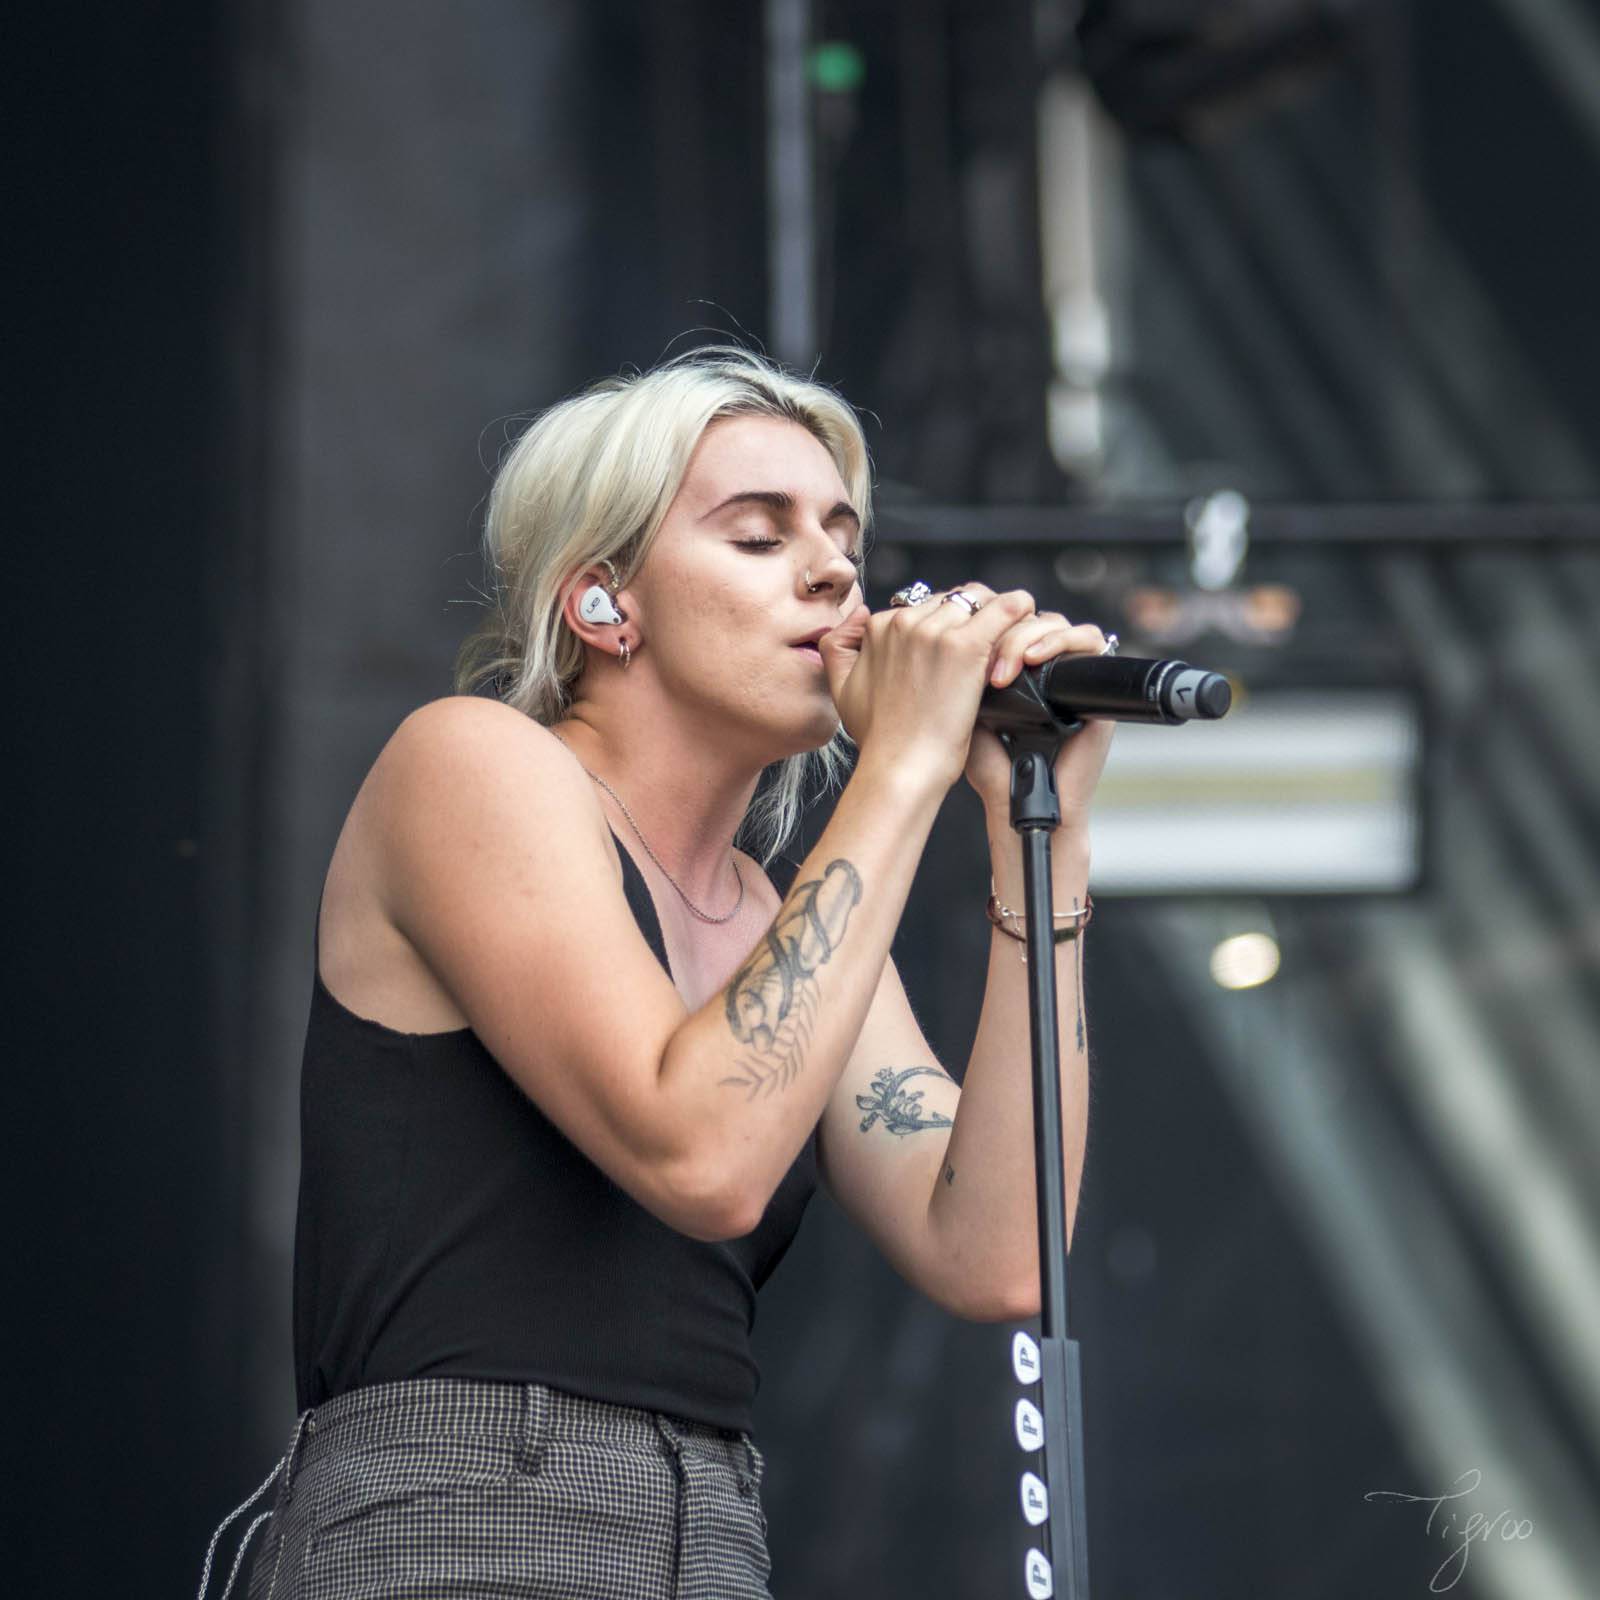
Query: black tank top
(447, 1228)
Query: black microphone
(1113, 688)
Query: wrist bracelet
(1079, 919)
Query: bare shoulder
(459, 776)
(469, 776)
(493, 861)
(463, 750)
(442, 733)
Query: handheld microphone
(1114, 688)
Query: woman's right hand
(907, 680)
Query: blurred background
(1262, 331)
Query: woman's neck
(679, 796)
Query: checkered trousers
(498, 1490)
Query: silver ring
(973, 606)
(1113, 644)
(912, 595)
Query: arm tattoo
(771, 1000)
(901, 1109)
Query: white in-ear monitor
(597, 606)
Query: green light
(837, 67)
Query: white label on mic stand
(1037, 1571)
(1030, 1426)
(1024, 1358)
(1035, 1499)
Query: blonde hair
(591, 480)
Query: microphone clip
(1033, 734)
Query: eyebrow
(782, 500)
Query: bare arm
(983, 1208)
(941, 1177)
(753, 1069)
(945, 1183)
(499, 871)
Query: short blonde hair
(591, 480)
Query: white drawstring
(222, 1527)
(244, 1544)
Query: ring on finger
(1113, 643)
(973, 606)
(912, 595)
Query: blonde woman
(575, 1061)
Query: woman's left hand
(1038, 638)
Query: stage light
(1245, 961)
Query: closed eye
(859, 562)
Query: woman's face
(722, 597)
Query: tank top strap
(640, 903)
(782, 872)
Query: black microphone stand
(1033, 735)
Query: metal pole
(791, 201)
(1061, 1567)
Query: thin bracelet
(1079, 917)
(1079, 920)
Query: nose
(830, 568)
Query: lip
(812, 637)
(808, 650)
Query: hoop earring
(624, 655)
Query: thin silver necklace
(704, 916)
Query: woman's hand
(907, 680)
(1034, 639)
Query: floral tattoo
(901, 1109)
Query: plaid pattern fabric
(445, 1486)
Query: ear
(588, 606)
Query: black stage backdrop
(129, 1208)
